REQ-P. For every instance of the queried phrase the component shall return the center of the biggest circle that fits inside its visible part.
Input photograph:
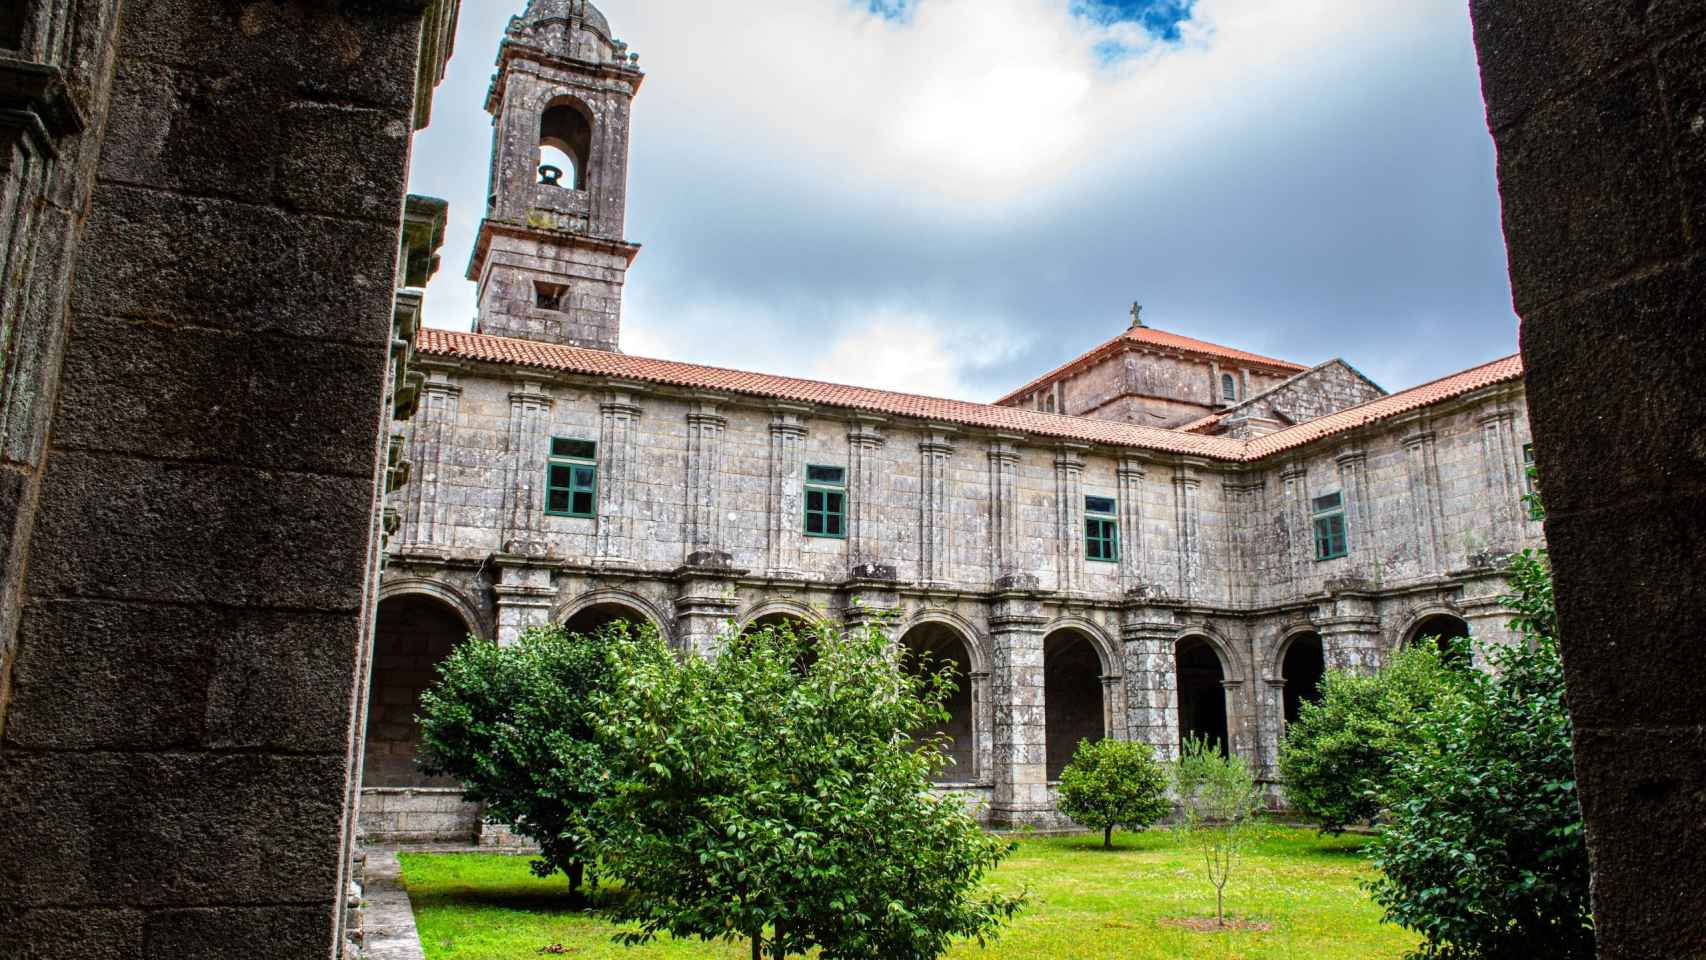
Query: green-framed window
(1528, 468)
(1330, 540)
(1101, 530)
(571, 478)
(826, 501)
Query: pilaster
(933, 493)
(1500, 465)
(619, 415)
(1294, 486)
(1134, 567)
(1422, 471)
(864, 501)
(786, 508)
(1186, 490)
(529, 408)
(433, 425)
(704, 534)
(1069, 517)
(705, 611)
(1350, 633)
(1353, 480)
(1003, 508)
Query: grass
(1086, 904)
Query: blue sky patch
(891, 9)
(1161, 18)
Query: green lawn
(1086, 904)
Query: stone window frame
(1229, 388)
(580, 459)
(831, 494)
(1101, 529)
(1332, 536)
(1528, 467)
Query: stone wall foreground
(1599, 112)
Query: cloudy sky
(952, 196)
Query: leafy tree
(1485, 855)
(1114, 783)
(1336, 760)
(774, 796)
(1218, 800)
(512, 724)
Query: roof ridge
(1205, 348)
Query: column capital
(1418, 439)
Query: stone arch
(473, 617)
(1076, 693)
(1442, 622)
(952, 647)
(566, 127)
(1107, 650)
(976, 641)
(593, 610)
(770, 611)
(1203, 671)
(414, 631)
(1300, 662)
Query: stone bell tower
(551, 258)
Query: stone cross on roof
(1137, 314)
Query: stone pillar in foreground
(1020, 753)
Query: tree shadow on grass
(523, 899)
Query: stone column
(933, 493)
(524, 484)
(525, 596)
(1350, 637)
(786, 506)
(1185, 499)
(1114, 723)
(1134, 570)
(1069, 517)
(1353, 480)
(983, 726)
(1004, 559)
(1422, 472)
(1152, 677)
(705, 610)
(1270, 711)
(704, 534)
(618, 416)
(433, 426)
(1020, 752)
(865, 500)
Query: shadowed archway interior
(596, 617)
(412, 637)
(1303, 669)
(1202, 693)
(1072, 696)
(938, 648)
(1439, 629)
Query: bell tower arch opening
(565, 142)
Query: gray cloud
(807, 177)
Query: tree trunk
(1220, 906)
(757, 947)
(1108, 837)
(577, 872)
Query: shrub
(1485, 855)
(772, 794)
(512, 724)
(1218, 801)
(1114, 783)
(1336, 760)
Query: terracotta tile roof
(599, 363)
(544, 356)
(1151, 337)
(1202, 424)
(1503, 370)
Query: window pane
(814, 500)
(561, 476)
(832, 524)
(835, 475)
(557, 501)
(583, 503)
(1331, 501)
(585, 476)
(837, 502)
(1099, 504)
(814, 522)
(578, 449)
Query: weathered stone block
(139, 828)
(164, 677)
(219, 933)
(1589, 192)
(70, 934)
